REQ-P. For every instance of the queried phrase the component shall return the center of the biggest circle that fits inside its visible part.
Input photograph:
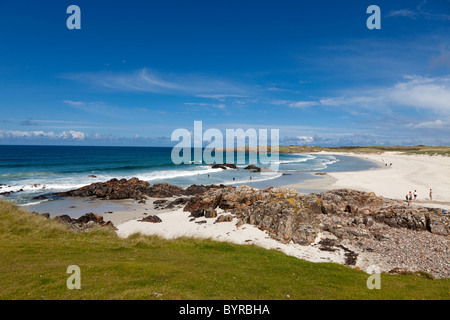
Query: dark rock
(166, 204)
(90, 217)
(85, 222)
(180, 201)
(164, 190)
(112, 189)
(210, 213)
(224, 166)
(63, 219)
(203, 202)
(224, 218)
(198, 213)
(199, 189)
(219, 166)
(253, 168)
(153, 219)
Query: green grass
(35, 253)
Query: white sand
(177, 224)
(407, 173)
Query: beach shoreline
(127, 214)
(407, 173)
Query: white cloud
(417, 13)
(65, 135)
(75, 103)
(305, 139)
(437, 124)
(303, 104)
(403, 13)
(201, 104)
(419, 92)
(432, 94)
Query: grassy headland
(419, 149)
(35, 253)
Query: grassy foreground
(35, 253)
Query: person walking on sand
(415, 194)
(431, 194)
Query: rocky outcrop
(10, 192)
(367, 207)
(253, 168)
(85, 222)
(288, 216)
(199, 189)
(163, 190)
(133, 188)
(268, 209)
(224, 218)
(112, 189)
(152, 219)
(224, 166)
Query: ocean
(30, 171)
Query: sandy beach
(407, 173)
(178, 224)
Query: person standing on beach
(415, 194)
(410, 196)
(431, 194)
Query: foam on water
(38, 170)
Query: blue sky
(137, 70)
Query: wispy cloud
(303, 104)
(104, 109)
(55, 123)
(145, 80)
(202, 104)
(436, 124)
(432, 94)
(418, 13)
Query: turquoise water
(42, 169)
